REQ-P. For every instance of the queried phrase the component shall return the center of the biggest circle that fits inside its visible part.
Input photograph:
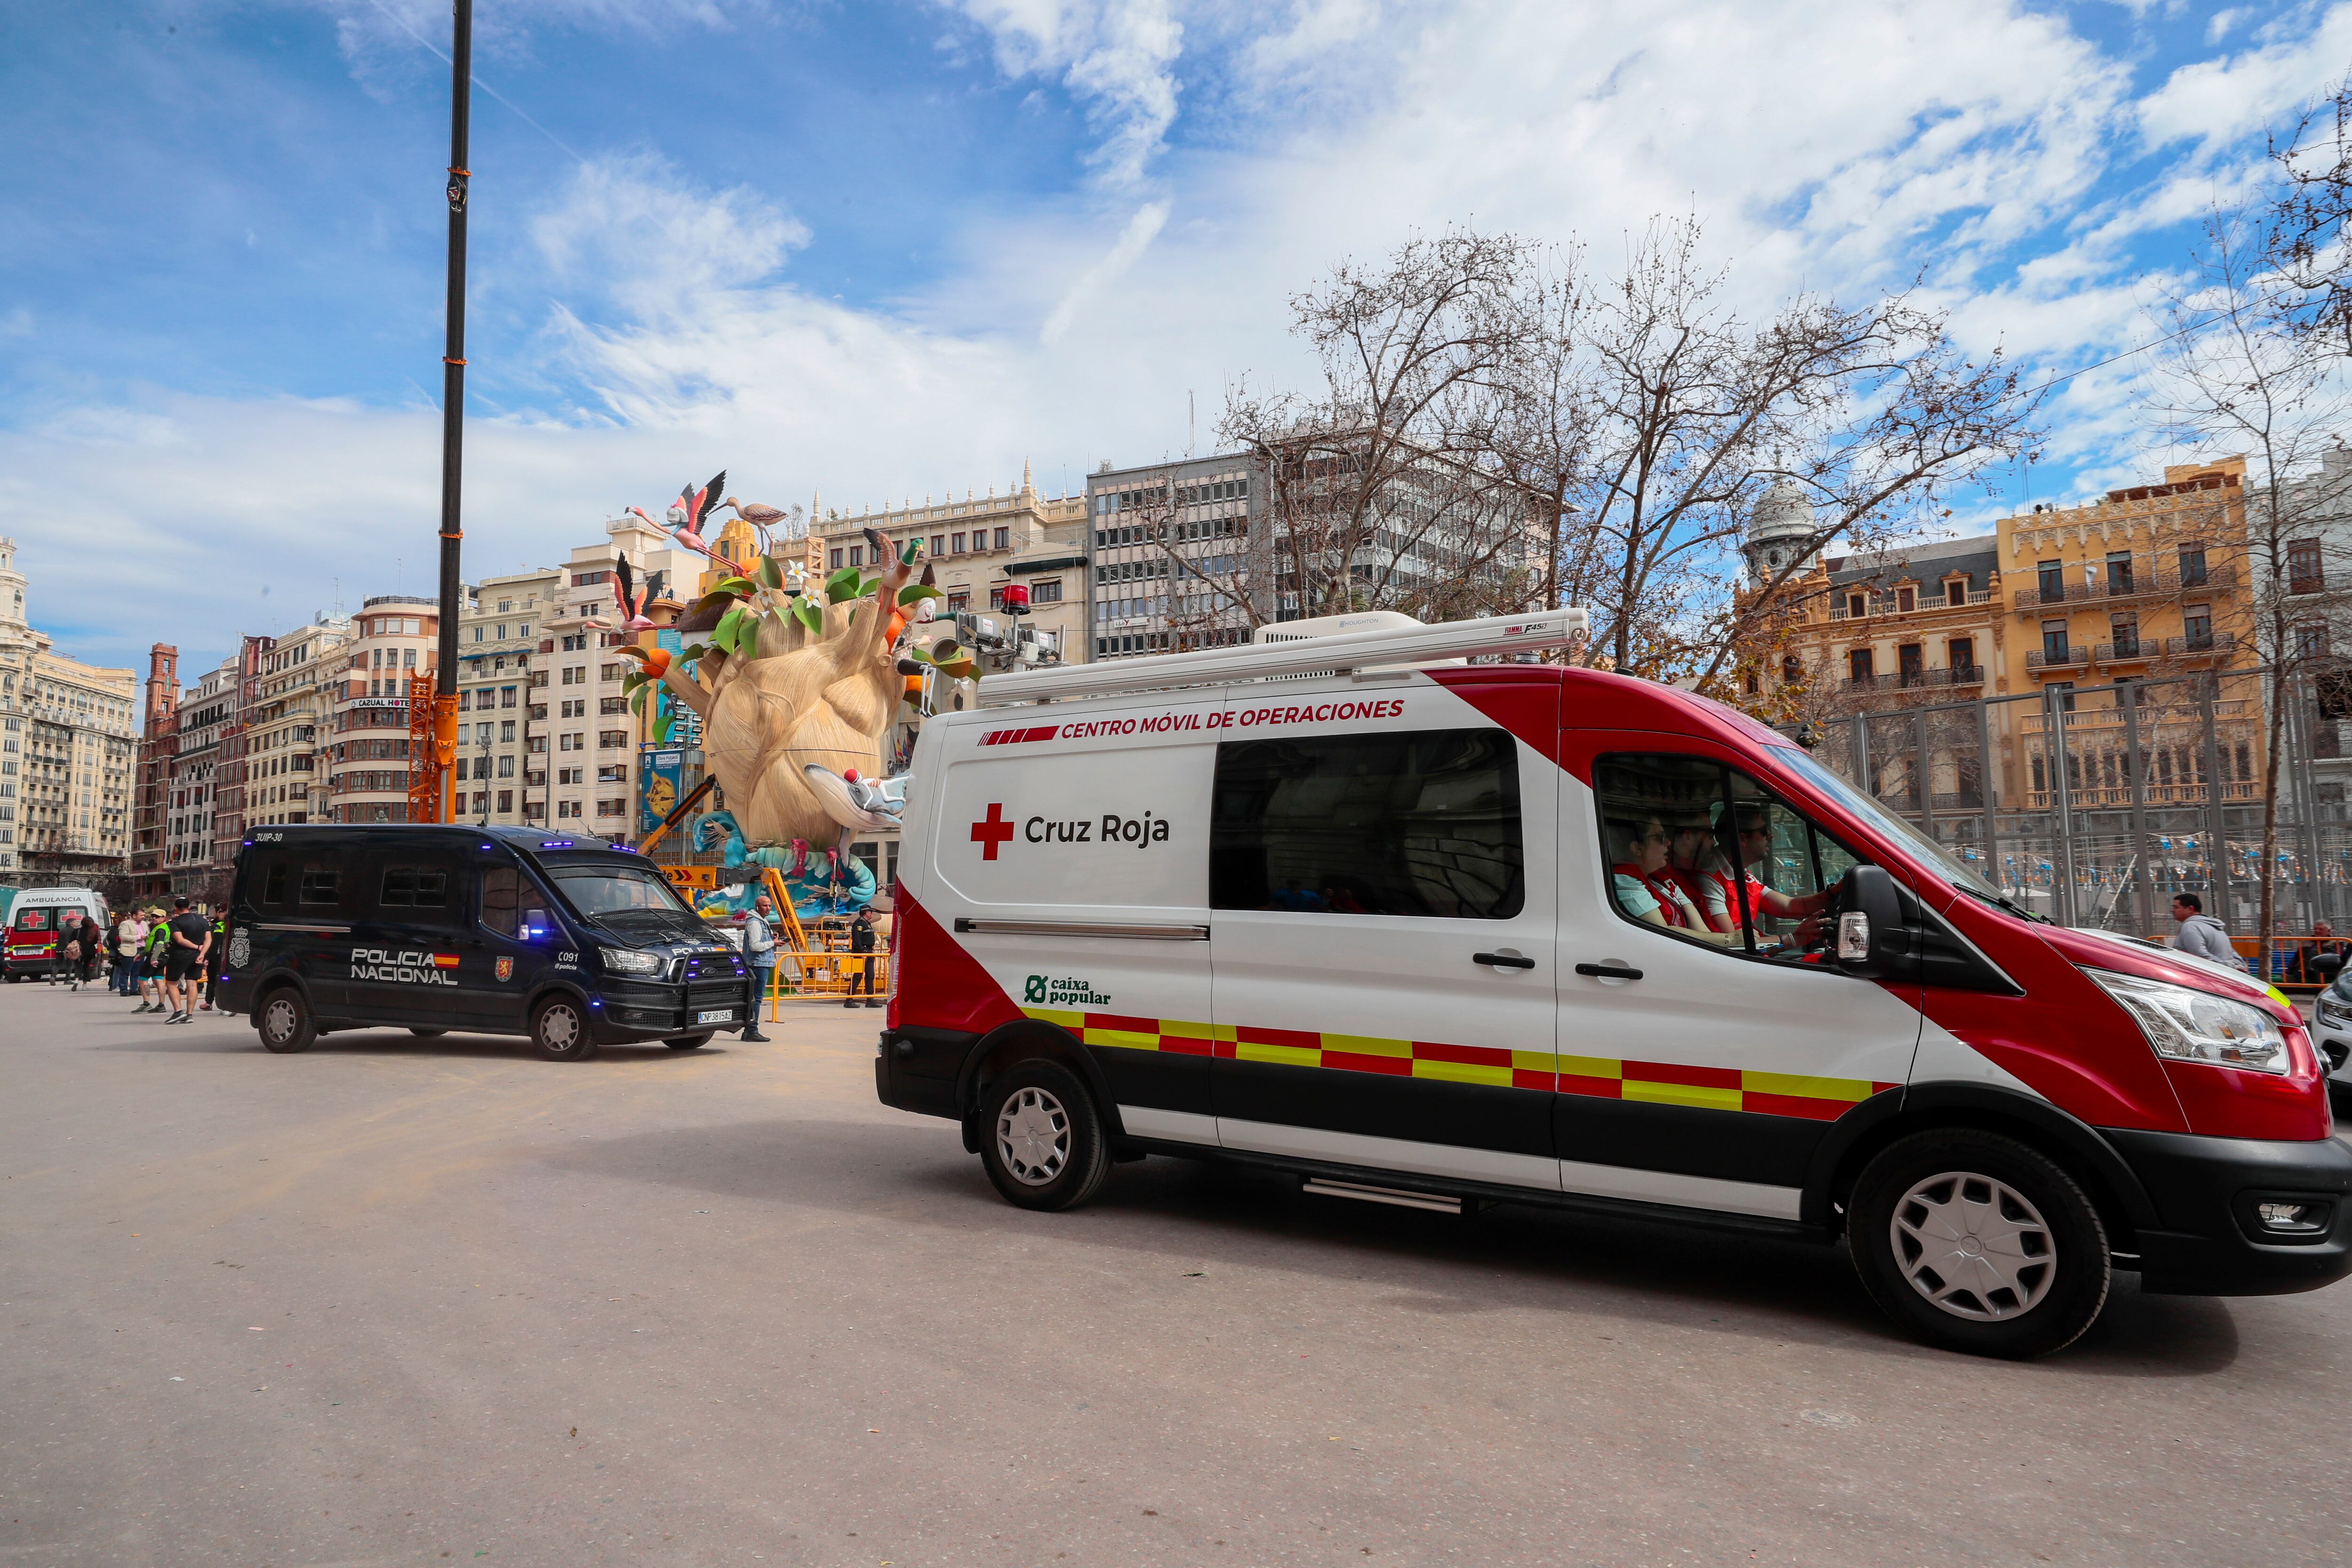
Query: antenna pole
(429, 774)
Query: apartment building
(288, 728)
(204, 712)
(1173, 558)
(67, 752)
(394, 638)
(499, 778)
(159, 745)
(588, 741)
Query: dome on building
(1778, 532)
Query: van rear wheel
(1979, 1243)
(560, 1029)
(283, 1022)
(1041, 1137)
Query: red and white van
(1431, 933)
(32, 922)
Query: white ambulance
(1432, 933)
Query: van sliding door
(1383, 901)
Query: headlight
(2192, 1026)
(620, 960)
(2331, 1011)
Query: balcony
(2141, 585)
(2209, 645)
(2066, 661)
(2136, 651)
(1909, 680)
(1883, 605)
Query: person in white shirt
(129, 941)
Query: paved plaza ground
(437, 1303)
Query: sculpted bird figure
(631, 597)
(756, 513)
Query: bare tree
(1382, 492)
(1651, 419)
(2305, 234)
(2242, 371)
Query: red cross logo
(994, 831)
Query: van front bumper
(639, 1010)
(2209, 1194)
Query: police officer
(861, 941)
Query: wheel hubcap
(559, 1028)
(1974, 1247)
(1033, 1136)
(281, 1020)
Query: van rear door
(1382, 876)
(1070, 860)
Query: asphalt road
(400, 1302)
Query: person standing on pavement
(66, 962)
(151, 964)
(217, 952)
(183, 965)
(2200, 933)
(129, 941)
(760, 953)
(861, 941)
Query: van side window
(32, 919)
(273, 883)
(415, 888)
(1672, 826)
(502, 900)
(321, 882)
(1425, 823)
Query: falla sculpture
(796, 683)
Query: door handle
(1609, 971)
(1502, 960)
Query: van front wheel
(1978, 1243)
(560, 1029)
(283, 1022)
(1041, 1137)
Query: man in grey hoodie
(2200, 933)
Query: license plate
(715, 1016)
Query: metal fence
(2094, 804)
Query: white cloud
(2234, 95)
(1117, 56)
(1837, 145)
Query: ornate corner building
(68, 752)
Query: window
(1003, 539)
(2310, 640)
(614, 671)
(1045, 591)
(1792, 669)
(567, 808)
(568, 776)
(1857, 605)
(2192, 565)
(506, 696)
(2054, 649)
(938, 545)
(609, 706)
(415, 888)
(1858, 664)
(1424, 823)
(958, 538)
(612, 773)
(1961, 655)
(322, 883)
(2125, 630)
(2197, 627)
(612, 808)
(2052, 575)
(505, 766)
(1906, 600)
(959, 600)
(1911, 659)
(609, 739)
(505, 796)
(834, 560)
(997, 597)
(2303, 573)
(502, 894)
(1955, 592)
(2119, 572)
(1673, 827)
(857, 555)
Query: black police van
(500, 931)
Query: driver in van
(1755, 843)
(1645, 885)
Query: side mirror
(535, 925)
(1870, 931)
(2328, 963)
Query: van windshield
(1930, 853)
(599, 891)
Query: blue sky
(896, 247)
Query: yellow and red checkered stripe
(1656, 1083)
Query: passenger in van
(1644, 888)
(1722, 891)
(1691, 845)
